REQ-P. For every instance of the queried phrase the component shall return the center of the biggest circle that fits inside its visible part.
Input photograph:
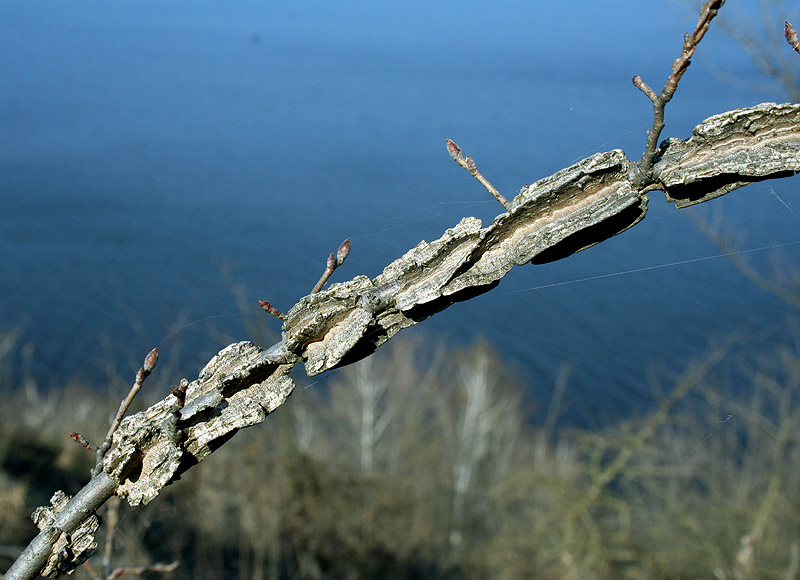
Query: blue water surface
(154, 162)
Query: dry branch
(729, 151)
(551, 219)
(147, 367)
(643, 168)
(468, 163)
(334, 261)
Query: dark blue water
(152, 166)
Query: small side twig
(645, 164)
(180, 392)
(468, 163)
(270, 309)
(112, 521)
(142, 570)
(80, 439)
(334, 261)
(149, 364)
(791, 36)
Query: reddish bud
(268, 308)
(78, 438)
(454, 150)
(331, 262)
(150, 361)
(343, 252)
(471, 164)
(149, 364)
(791, 36)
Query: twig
(180, 392)
(141, 570)
(690, 41)
(112, 520)
(334, 261)
(468, 163)
(791, 36)
(149, 364)
(78, 438)
(270, 309)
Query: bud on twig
(270, 309)
(78, 438)
(334, 261)
(343, 252)
(791, 36)
(468, 163)
(150, 362)
(453, 150)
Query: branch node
(468, 163)
(690, 40)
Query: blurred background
(156, 160)
(164, 166)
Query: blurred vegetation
(422, 462)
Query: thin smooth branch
(468, 163)
(150, 362)
(334, 261)
(78, 438)
(143, 570)
(690, 41)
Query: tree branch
(147, 367)
(644, 167)
(334, 261)
(551, 219)
(53, 552)
(468, 163)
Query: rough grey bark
(729, 151)
(551, 219)
(67, 528)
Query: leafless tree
(761, 35)
(482, 422)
